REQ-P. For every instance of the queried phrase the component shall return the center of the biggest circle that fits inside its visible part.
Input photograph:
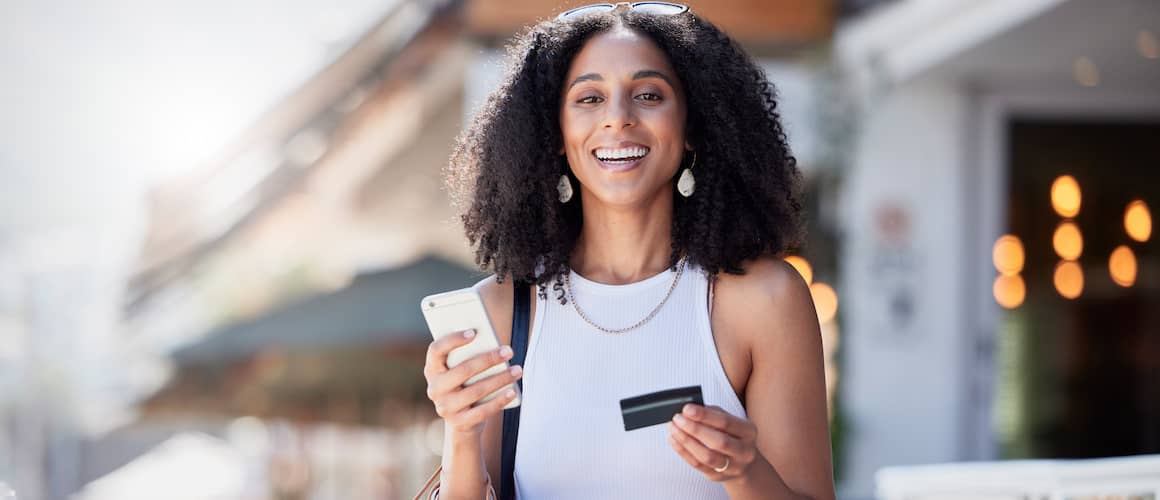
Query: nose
(619, 113)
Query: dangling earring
(564, 188)
(687, 184)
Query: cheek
(669, 122)
(571, 129)
(679, 118)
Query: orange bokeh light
(1067, 241)
(1138, 221)
(1069, 279)
(1007, 254)
(1065, 196)
(1122, 266)
(825, 300)
(1009, 291)
(803, 267)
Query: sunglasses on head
(651, 8)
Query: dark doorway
(1080, 377)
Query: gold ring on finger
(723, 467)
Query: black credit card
(658, 407)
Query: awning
(375, 309)
(899, 41)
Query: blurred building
(269, 317)
(978, 119)
(284, 277)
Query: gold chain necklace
(651, 315)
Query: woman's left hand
(718, 444)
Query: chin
(624, 196)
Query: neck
(620, 245)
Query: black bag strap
(521, 319)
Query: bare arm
(469, 460)
(469, 436)
(771, 308)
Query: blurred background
(217, 219)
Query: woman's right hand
(455, 402)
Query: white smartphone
(458, 310)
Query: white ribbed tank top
(572, 443)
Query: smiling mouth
(620, 156)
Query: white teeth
(621, 153)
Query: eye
(590, 99)
(648, 96)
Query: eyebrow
(644, 73)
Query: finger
(454, 378)
(714, 416)
(481, 412)
(687, 456)
(711, 438)
(478, 363)
(436, 361)
(468, 396)
(473, 417)
(703, 458)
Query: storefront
(970, 113)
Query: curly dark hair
(505, 165)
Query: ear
(688, 147)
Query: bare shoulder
(769, 294)
(498, 300)
(769, 276)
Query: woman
(633, 162)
